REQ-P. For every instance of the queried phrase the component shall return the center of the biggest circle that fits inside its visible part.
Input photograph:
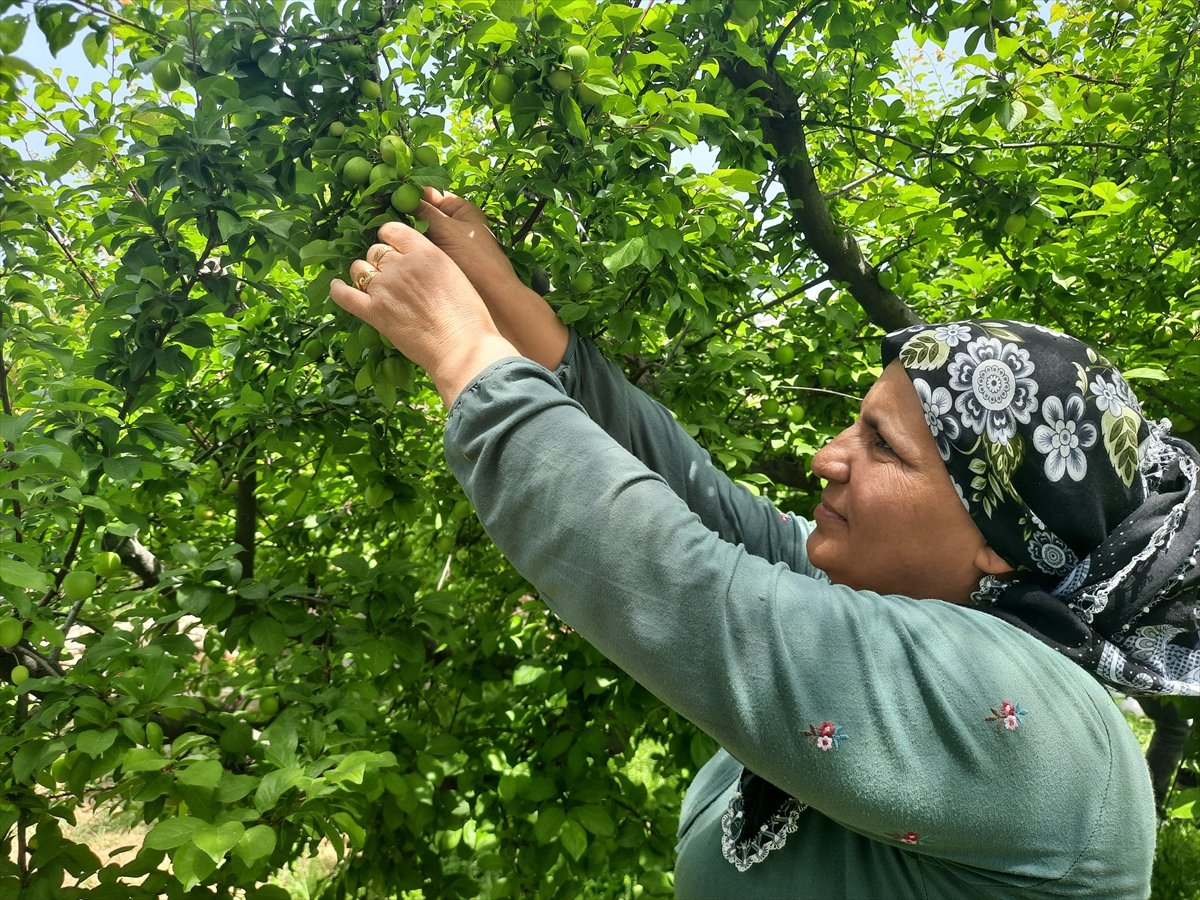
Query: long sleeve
(888, 715)
(645, 428)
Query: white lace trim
(1093, 602)
(771, 835)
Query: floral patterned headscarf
(1094, 507)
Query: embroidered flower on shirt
(783, 517)
(827, 736)
(907, 837)
(1007, 715)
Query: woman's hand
(414, 294)
(460, 229)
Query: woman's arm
(639, 424)
(647, 429)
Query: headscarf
(1096, 508)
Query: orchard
(242, 601)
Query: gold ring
(362, 279)
(381, 254)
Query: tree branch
(783, 129)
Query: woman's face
(890, 519)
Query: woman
(904, 688)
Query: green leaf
(268, 636)
(94, 743)
(738, 179)
(143, 759)
(626, 254)
(95, 45)
(168, 834)
(275, 784)
(1146, 373)
(205, 774)
(217, 840)
(234, 787)
(255, 845)
(549, 823)
(574, 839)
(191, 865)
(570, 116)
(23, 575)
(595, 819)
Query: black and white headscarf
(1096, 509)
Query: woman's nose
(831, 462)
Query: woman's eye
(883, 445)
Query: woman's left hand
(414, 294)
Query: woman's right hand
(460, 229)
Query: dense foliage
(250, 601)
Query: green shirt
(941, 751)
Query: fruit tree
(243, 601)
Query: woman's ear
(989, 562)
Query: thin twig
(787, 29)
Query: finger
(463, 210)
(378, 252)
(362, 273)
(430, 212)
(348, 298)
(402, 237)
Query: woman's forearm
(528, 321)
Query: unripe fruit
(770, 407)
(1092, 100)
(1004, 9)
(394, 371)
(887, 280)
(268, 706)
(154, 735)
(10, 632)
(166, 76)
(745, 9)
(578, 58)
(407, 197)
(106, 563)
(78, 585)
(502, 89)
(588, 95)
(796, 413)
(1014, 224)
(1124, 103)
(784, 355)
(382, 172)
(337, 129)
(559, 79)
(981, 16)
(371, 90)
(20, 674)
(357, 171)
(368, 336)
(312, 350)
(582, 281)
(389, 147)
(58, 769)
(425, 155)
(237, 739)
